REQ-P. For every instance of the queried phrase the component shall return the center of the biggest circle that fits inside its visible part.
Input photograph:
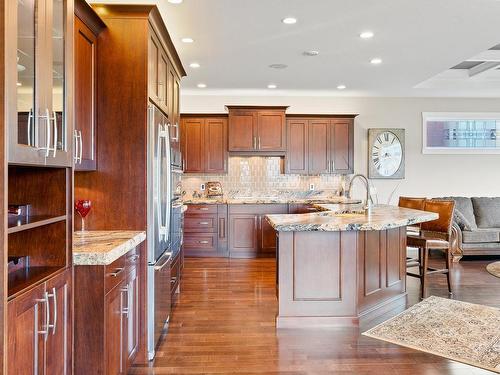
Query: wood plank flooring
(223, 323)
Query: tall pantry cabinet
(37, 125)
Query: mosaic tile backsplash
(261, 176)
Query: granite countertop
(342, 217)
(268, 200)
(103, 247)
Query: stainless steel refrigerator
(159, 234)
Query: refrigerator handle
(158, 182)
(168, 207)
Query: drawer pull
(203, 242)
(117, 272)
(203, 208)
(203, 223)
(134, 257)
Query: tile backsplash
(258, 175)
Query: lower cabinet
(250, 235)
(39, 329)
(205, 230)
(121, 317)
(107, 316)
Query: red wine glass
(83, 206)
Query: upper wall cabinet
(257, 129)
(87, 27)
(164, 90)
(39, 86)
(204, 144)
(320, 145)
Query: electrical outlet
(202, 187)
(311, 187)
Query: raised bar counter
(340, 267)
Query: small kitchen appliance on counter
(214, 189)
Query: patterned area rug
(461, 331)
(494, 268)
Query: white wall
(426, 175)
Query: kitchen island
(342, 266)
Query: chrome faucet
(369, 201)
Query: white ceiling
(236, 40)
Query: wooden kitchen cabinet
(320, 145)
(297, 158)
(206, 230)
(39, 336)
(204, 144)
(257, 129)
(39, 57)
(250, 235)
(107, 313)
(87, 28)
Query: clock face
(387, 153)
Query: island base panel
(340, 278)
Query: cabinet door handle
(54, 297)
(134, 257)
(203, 242)
(203, 223)
(117, 272)
(44, 332)
(160, 89)
(56, 135)
(30, 119)
(254, 142)
(222, 227)
(80, 149)
(125, 310)
(259, 143)
(75, 135)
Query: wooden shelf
(20, 223)
(25, 278)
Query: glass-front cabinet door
(36, 81)
(60, 52)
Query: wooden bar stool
(434, 234)
(413, 203)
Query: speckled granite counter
(97, 248)
(268, 200)
(342, 217)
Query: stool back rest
(414, 203)
(443, 225)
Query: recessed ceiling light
(175, 1)
(289, 20)
(376, 60)
(341, 87)
(278, 66)
(201, 85)
(310, 53)
(194, 65)
(187, 40)
(271, 86)
(366, 35)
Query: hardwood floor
(224, 324)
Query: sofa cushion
(465, 207)
(481, 235)
(487, 212)
(461, 221)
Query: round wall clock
(386, 153)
